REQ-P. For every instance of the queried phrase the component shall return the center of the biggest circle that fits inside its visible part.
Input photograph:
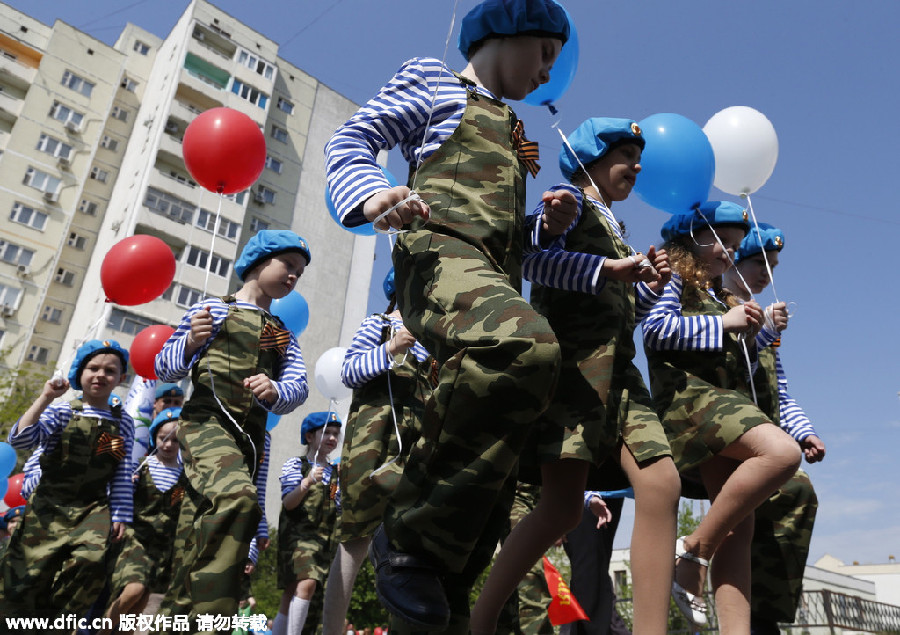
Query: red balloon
(224, 150)
(13, 496)
(145, 347)
(137, 269)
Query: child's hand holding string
(262, 388)
(777, 316)
(384, 200)
(744, 318)
(201, 330)
(560, 209)
(401, 341)
(660, 261)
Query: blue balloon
(8, 460)
(561, 75)
(272, 420)
(677, 166)
(366, 229)
(293, 309)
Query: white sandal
(692, 606)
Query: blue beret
(167, 415)
(593, 138)
(14, 512)
(169, 390)
(512, 17)
(316, 420)
(86, 351)
(266, 244)
(388, 285)
(772, 240)
(716, 213)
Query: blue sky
(822, 72)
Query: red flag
(564, 608)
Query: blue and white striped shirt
(262, 478)
(397, 115)
(164, 477)
(791, 416)
(45, 434)
(666, 329)
(367, 357)
(291, 475)
(291, 384)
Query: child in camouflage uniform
(783, 524)
(83, 499)
(696, 336)
(391, 377)
(143, 560)
(584, 283)
(458, 289)
(243, 364)
(306, 525)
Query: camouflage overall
(145, 555)
(220, 513)
(370, 441)
(306, 533)
(458, 286)
(67, 520)
(702, 397)
(601, 395)
(783, 527)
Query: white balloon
(328, 374)
(746, 149)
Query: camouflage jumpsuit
(145, 555)
(370, 441)
(458, 287)
(67, 520)
(222, 454)
(783, 528)
(702, 397)
(601, 395)
(306, 533)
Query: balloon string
(759, 237)
(212, 244)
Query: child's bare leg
(345, 567)
(132, 599)
(558, 511)
(730, 578)
(657, 490)
(738, 480)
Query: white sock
(279, 624)
(297, 615)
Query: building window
(76, 241)
(38, 354)
(196, 257)
(128, 84)
(187, 297)
(52, 314)
(273, 164)
(28, 216)
(66, 114)
(279, 134)
(256, 64)
(141, 47)
(88, 207)
(257, 225)
(246, 91)
(76, 83)
(264, 195)
(41, 180)
(9, 296)
(119, 113)
(54, 147)
(109, 143)
(207, 220)
(128, 323)
(65, 277)
(99, 175)
(14, 254)
(285, 105)
(165, 204)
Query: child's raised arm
(53, 389)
